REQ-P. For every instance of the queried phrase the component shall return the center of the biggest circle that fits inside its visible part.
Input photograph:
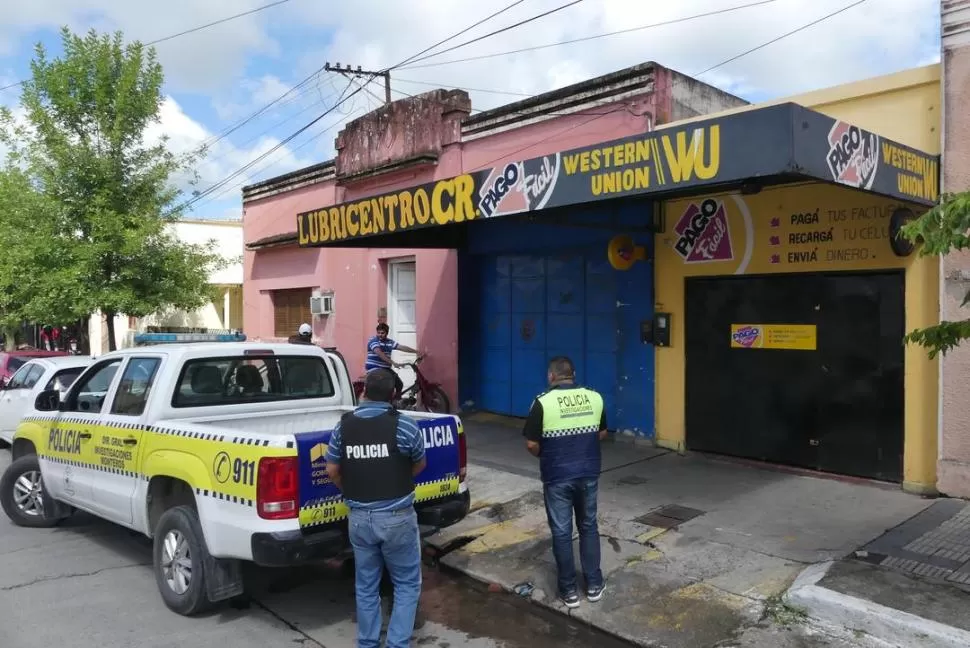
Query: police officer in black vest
(373, 456)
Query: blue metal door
(538, 307)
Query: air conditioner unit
(321, 304)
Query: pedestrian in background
(564, 429)
(374, 454)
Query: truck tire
(22, 494)
(178, 561)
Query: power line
(454, 36)
(445, 85)
(500, 31)
(783, 36)
(222, 183)
(694, 76)
(189, 31)
(593, 37)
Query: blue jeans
(561, 500)
(391, 539)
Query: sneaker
(594, 594)
(570, 600)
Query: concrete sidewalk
(697, 551)
(909, 587)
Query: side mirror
(47, 400)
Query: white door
(15, 400)
(401, 300)
(117, 441)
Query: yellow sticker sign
(790, 337)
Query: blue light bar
(182, 338)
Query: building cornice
(955, 23)
(304, 177)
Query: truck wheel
(178, 561)
(22, 494)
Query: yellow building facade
(805, 230)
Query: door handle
(84, 435)
(130, 441)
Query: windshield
(245, 379)
(15, 363)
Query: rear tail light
(462, 456)
(277, 488)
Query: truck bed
(310, 430)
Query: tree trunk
(112, 343)
(10, 337)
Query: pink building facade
(411, 142)
(954, 461)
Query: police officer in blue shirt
(374, 454)
(564, 429)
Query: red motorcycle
(423, 395)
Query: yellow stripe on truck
(214, 465)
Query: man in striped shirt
(379, 349)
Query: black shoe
(570, 600)
(594, 594)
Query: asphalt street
(89, 584)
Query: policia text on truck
(216, 451)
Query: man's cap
(305, 329)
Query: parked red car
(10, 361)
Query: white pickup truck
(217, 453)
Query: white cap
(305, 329)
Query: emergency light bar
(181, 338)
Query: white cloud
(876, 37)
(203, 61)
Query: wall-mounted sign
(808, 228)
(784, 139)
(789, 337)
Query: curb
(895, 627)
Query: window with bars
(290, 309)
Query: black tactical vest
(371, 466)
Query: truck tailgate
(321, 502)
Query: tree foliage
(942, 229)
(100, 188)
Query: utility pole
(348, 71)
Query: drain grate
(669, 517)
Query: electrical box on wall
(661, 329)
(322, 304)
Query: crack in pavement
(45, 579)
(307, 640)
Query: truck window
(64, 378)
(90, 393)
(26, 377)
(136, 383)
(246, 379)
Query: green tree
(84, 148)
(942, 229)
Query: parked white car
(33, 377)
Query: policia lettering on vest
(564, 429)
(374, 454)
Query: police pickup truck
(216, 451)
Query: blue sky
(217, 77)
